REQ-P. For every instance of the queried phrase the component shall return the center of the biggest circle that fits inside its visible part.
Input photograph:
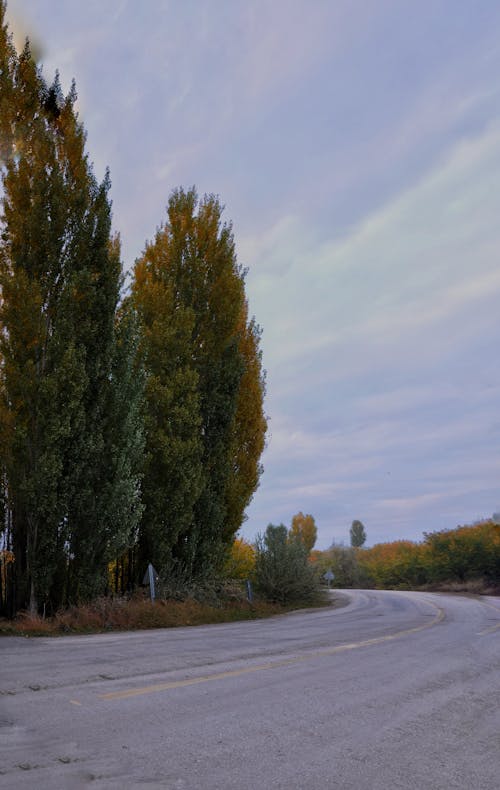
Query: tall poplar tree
(173, 474)
(357, 534)
(68, 391)
(192, 272)
(41, 379)
(304, 529)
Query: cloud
(383, 395)
(425, 257)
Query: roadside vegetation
(283, 572)
(272, 576)
(465, 559)
(138, 613)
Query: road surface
(396, 690)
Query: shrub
(283, 573)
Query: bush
(283, 573)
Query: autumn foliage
(241, 561)
(467, 557)
(304, 530)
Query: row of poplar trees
(131, 422)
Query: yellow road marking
(175, 684)
(75, 702)
(493, 627)
(489, 630)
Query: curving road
(393, 690)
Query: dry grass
(107, 614)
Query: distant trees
(343, 561)
(397, 564)
(357, 534)
(468, 554)
(304, 529)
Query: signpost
(329, 577)
(150, 577)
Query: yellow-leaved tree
(241, 561)
(304, 529)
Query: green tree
(63, 377)
(282, 569)
(205, 422)
(94, 470)
(304, 529)
(358, 534)
(41, 379)
(173, 473)
(118, 496)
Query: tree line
(464, 555)
(131, 422)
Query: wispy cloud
(426, 256)
(409, 292)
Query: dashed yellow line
(493, 627)
(489, 630)
(175, 684)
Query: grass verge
(107, 614)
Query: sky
(356, 148)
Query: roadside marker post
(149, 581)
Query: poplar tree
(68, 392)
(41, 379)
(195, 289)
(173, 474)
(304, 529)
(105, 504)
(357, 534)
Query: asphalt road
(395, 690)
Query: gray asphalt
(394, 690)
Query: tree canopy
(304, 529)
(357, 534)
